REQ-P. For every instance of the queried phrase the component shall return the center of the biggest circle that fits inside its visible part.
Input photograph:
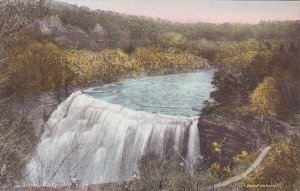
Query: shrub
(266, 98)
(17, 140)
(282, 167)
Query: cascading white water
(102, 142)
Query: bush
(17, 141)
(170, 174)
(37, 65)
(155, 172)
(160, 61)
(266, 98)
(282, 167)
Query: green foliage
(78, 16)
(209, 50)
(244, 69)
(256, 63)
(122, 30)
(171, 39)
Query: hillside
(50, 49)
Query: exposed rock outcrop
(235, 138)
(71, 36)
(37, 108)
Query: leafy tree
(17, 16)
(171, 39)
(81, 17)
(266, 98)
(105, 66)
(160, 61)
(286, 70)
(38, 66)
(282, 168)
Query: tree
(17, 16)
(16, 19)
(282, 167)
(266, 98)
(17, 140)
(38, 66)
(154, 171)
(172, 39)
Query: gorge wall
(234, 137)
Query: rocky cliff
(71, 36)
(37, 108)
(234, 137)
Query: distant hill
(81, 27)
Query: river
(101, 133)
(177, 94)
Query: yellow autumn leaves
(39, 65)
(216, 147)
(241, 157)
(160, 61)
(282, 166)
(266, 98)
(105, 66)
(220, 171)
(110, 65)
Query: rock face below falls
(102, 142)
(234, 138)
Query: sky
(193, 11)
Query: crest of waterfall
(102, 142)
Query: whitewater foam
(102, 142)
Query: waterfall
(102, 142)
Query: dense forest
(257, 79)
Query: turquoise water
(177, 94)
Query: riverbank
(135, 77)
(231, 129)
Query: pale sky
(193, 11)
